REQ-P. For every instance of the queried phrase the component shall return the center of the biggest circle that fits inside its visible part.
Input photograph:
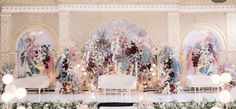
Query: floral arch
(201, 49)
(34, 52)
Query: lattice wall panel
(21, 20)
(5, 36)
(84, 24)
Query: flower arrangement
(203, 54)
(170, 64)
(57, 105)
(6, 69)
(67, 80)
(118, 47)
(35, 57)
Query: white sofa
(37, 82)
(233, 93)
(117, 82)
(200, 81)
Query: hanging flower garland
(67, 80)
(36, 57)
(118, 47)
(170, 76)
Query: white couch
(37, 82)
(200, 81)
(233, 93)
(117, 82)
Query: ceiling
(55, 2)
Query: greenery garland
(93, 105)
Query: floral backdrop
(202, 51)
(118, 47)
(35, 54)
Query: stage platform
(133, 97)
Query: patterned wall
(5, 37)
(83, 24)
(160, 26)
(19, 22)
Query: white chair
(35, 82)
(117, 82)
(233, 93)
(200, 81)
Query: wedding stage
(142, 100)
(130, 54)
(132, 98)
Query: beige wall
(83, 24)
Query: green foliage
(93, 105)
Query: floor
(133, 97)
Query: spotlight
(82, 69)
(151, 69)
(85, 73)
(78, 65)
(153, 74)
(153, 65)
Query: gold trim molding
(110, 7)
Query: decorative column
(174, 40)
(64, 38)
(173, 32)
(231, 35)
(5, 37)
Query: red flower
(172, 87)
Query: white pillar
(64, 38)
(173, 32)
(5, 37)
